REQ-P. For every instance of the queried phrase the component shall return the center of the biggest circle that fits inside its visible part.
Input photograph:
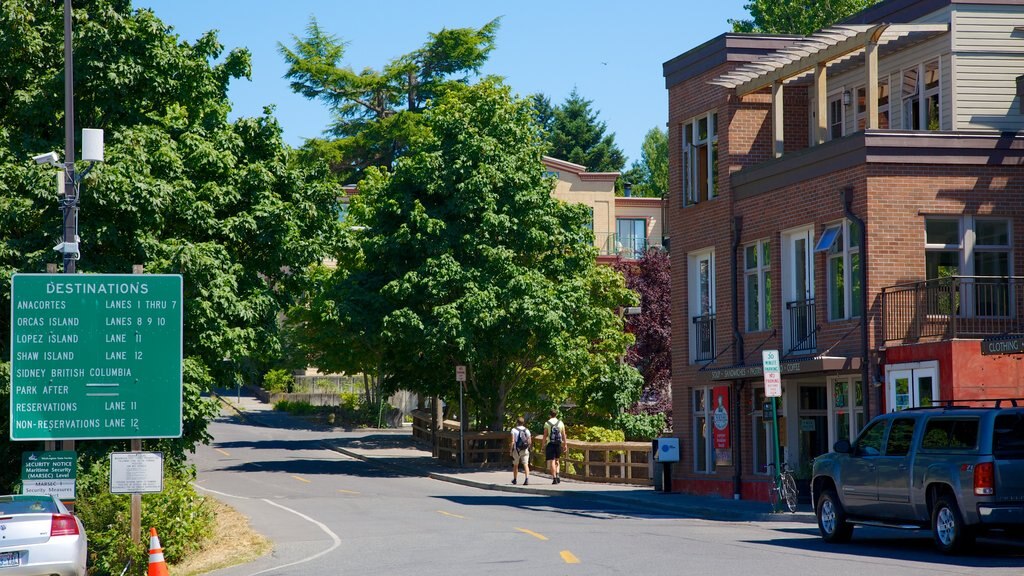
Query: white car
(39, 537)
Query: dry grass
(233, 542)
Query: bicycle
(783, 488)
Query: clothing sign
(772, 369)
(720, 417)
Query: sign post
(772, 368)
(460, 377)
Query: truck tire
(950, 533)
(832, 518)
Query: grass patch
(232, 542)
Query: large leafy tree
(182, 189)
(651, 353)
(796, 16)
(376, 112)
(465, 258)
(576, 135)
(649, 175)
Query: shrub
(278, 381)
(641, 427)
(183, 519)
(299, 408)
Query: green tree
(543, 114)
(796, 16)
(465, 258)
(182, 189)
(377, 112)
(649, 175)
(576, 135)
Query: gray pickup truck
(956, 470)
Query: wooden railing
(619, 462)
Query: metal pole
(70, 202)
(775, 441)
(462, 427)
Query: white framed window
(701, 276)
(700, 158)
(883, 103)
(836, 116)
(799, 316)
(703, 439)
(757, 284)
(921, 93)
(841, 244)
(632, 237)
(914, 385)
(976, 252)
(860, 107)
(846, 408)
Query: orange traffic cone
(157, 566)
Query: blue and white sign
(668, 450)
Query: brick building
(853, 200)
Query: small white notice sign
(772, 369)
(460, 373)
(136, 472)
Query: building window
(632, 236)
(967, 262)
(861, 107)
(703, 445)
(883, 103)
(841, 243)
(701, 276)
(835, 116)
(846, 408)
(799, 315)
(700, 159)
(758, 284)
(921, 97)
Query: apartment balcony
(704, 338)
(626, 247)
(953, 307)
(801, 327)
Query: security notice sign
(49, 473)
(95, 356)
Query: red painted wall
(964, 374)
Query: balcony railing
(704, 338)
(953, 307)
(802, 328)
(629, 247)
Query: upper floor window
(758, 285)
(835, 116)
(841, 244)
(921, 97)
(632, 236)
(977, 248)
(700, 158)
(861, 103)
(701, 274)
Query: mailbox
(667, 450)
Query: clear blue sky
(611, 52)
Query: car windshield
(26, 505)
(1008, 436)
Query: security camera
(50, 158)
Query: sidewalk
(396, 449)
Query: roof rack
(998, 402)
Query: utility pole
(70, 201)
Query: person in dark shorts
(554, 445)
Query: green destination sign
(95, 356)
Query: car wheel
(948, 529)
(832, 518)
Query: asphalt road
(332, 515)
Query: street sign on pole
(772, 369)
(49, 473)
(136, 472)
(96, 356)
(460, 373)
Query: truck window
(1008, 436)
(950, 434)
(900, 435)
(870, 442)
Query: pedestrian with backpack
(554, 445)
(521, 443)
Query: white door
(912, 385)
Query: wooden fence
(618, 462)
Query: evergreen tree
(649, 175)
(577, 136)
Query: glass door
(912, 385)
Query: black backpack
(522, 439)
(555, 436)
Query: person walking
(554, 445)
(521, 451)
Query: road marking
(224, 452)
(568, 557)
(450, 514)
(301, 479)
(532, 533)
(347, 491)
(334, 537)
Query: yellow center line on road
(301, 479)
(224, 452)
(532, 533)
(347, 491)
(450, 514)
(569, 557)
